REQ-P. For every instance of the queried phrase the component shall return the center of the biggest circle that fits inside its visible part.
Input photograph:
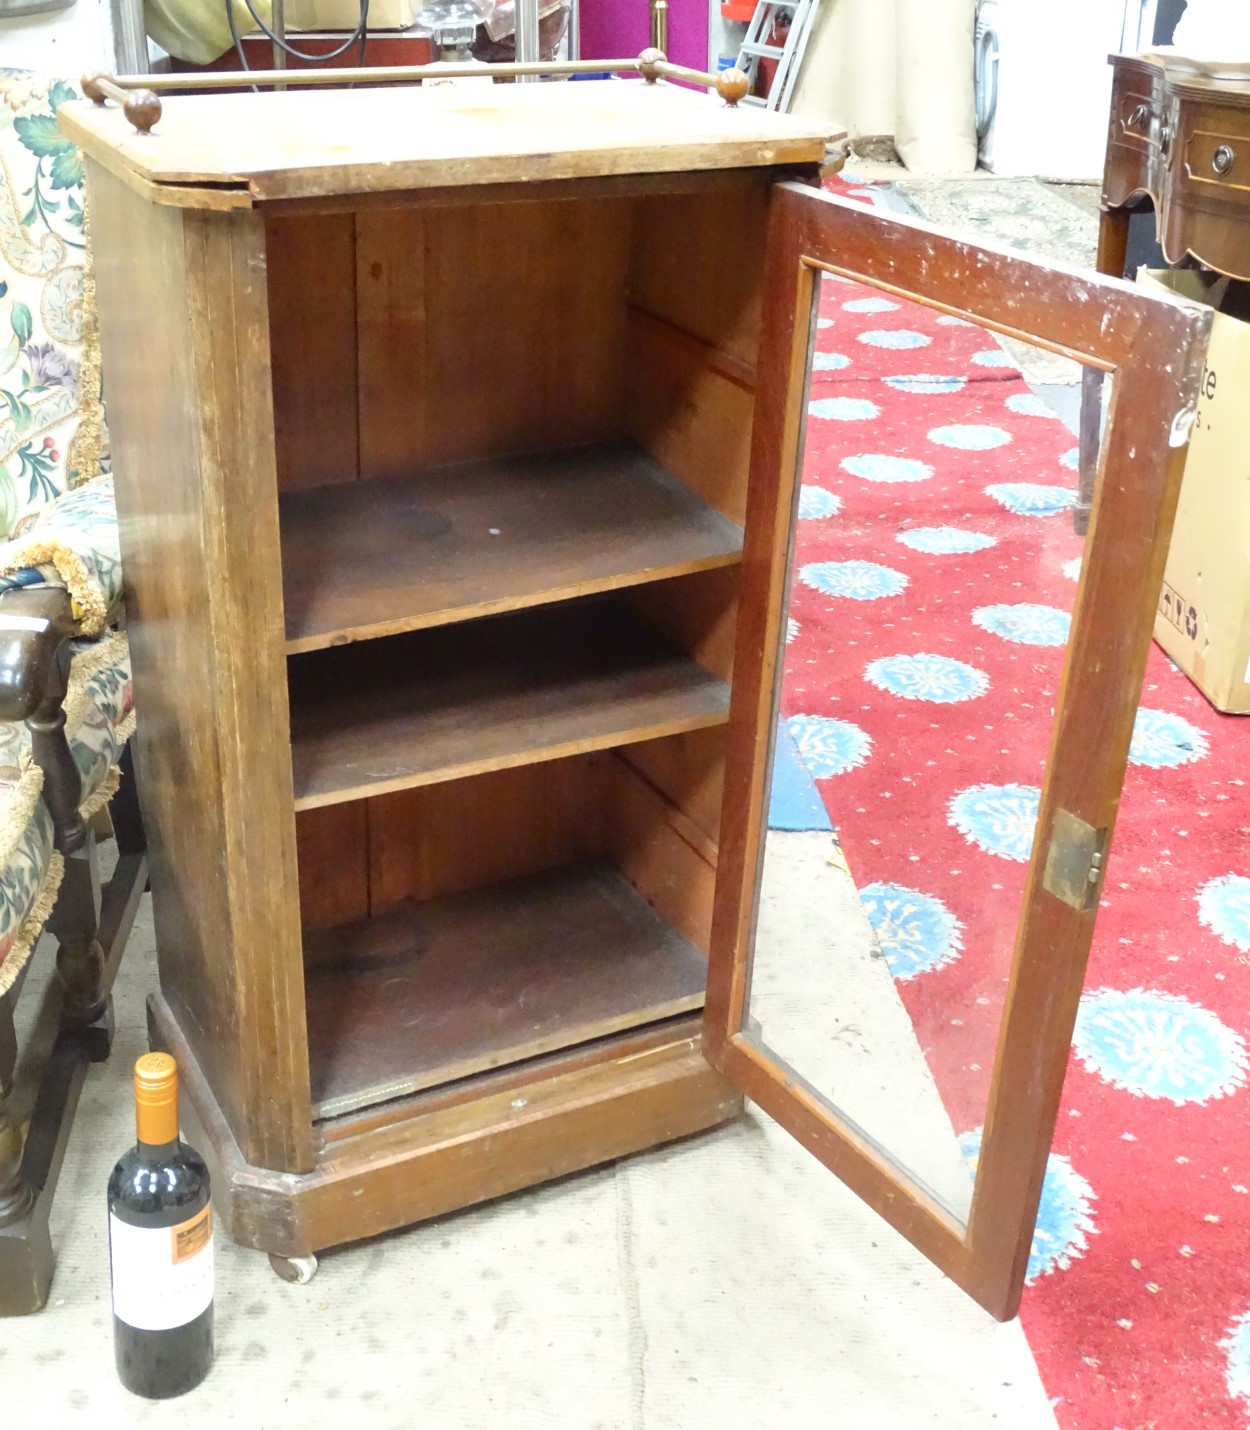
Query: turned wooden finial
(647, 62)
(732, 85)
(143, 109)
(140, 106)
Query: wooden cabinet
(456, 448)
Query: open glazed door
(968, 753)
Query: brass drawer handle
(1222, 159)
(1138, 118)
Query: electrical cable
(238, 43)
(359, 36)
(356, 36)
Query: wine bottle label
(162, 1276)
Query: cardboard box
(1204, 611)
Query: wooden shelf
(374, 558)
(425, 994)
(510, 690)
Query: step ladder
(789, 56)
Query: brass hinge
(1075, 860)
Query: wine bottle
(161, 1246)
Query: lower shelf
(427, 993)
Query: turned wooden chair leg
(26, 1259)
(8, 1041)
(15, 1196)
(25, 1245)
(75, 920)
(90, 925)
(75, 923)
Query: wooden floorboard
(492, 694)
(373, 558)
(425, 994)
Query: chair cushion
(51, 417)
(99, 711)
(72, 542)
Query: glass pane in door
(934, 571)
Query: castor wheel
(298, 1270)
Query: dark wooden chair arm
(35, 628)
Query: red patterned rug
(935, 572)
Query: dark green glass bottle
(161, 1246)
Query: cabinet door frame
(1153, 347)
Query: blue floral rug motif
(1158, 1045)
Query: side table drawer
(1134, 157)
(1137, 121)
(1206, 209)
(1217, 160)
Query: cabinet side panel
(332, 845)
(667, 858)
(489, 328)
(150, 370)
(694, 323)
(690, 410)
(226, 263)
(698, 612)
(688, 770)
(698, 260)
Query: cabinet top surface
(1224, 81)
(314, 143)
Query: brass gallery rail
(142, 107)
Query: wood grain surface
(429, 993)
(1165, 130)
(1155, 348)
(386, 1173)
(437, 705)
(365, 559)
(463, 834)
(310, 266)
(295, 144)
(526, 356)
(184, 331)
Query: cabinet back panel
(409, 336)
(514, 344)
(694, 321)
(362, 857)
(311, 268)
(357, 860)
(449, 838)
(442, 334)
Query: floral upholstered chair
(65, 689)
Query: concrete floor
(725, 1281)
(829, 1008)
